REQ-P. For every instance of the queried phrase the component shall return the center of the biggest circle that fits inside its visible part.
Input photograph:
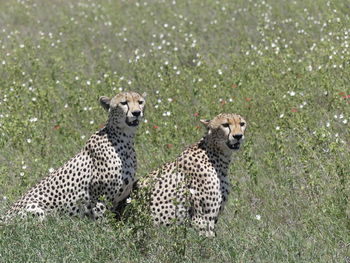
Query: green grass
(283, 65)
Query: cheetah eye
(140, 102)
(242, 124)
(123, 102)
(225, 125)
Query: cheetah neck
(112, 127)
(212, 147)
(118, 132)
(220, 160)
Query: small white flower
(219, 71)
(51, 170)
(258, 217)
(328, 124)
(145, 121)
(91, 122)
(34, 119)
(341, 116)
(76, 78)
(170, 99)
(21, 46)
(4, 197)
(66, 106)
(345, 121)
(88, 82)
(29, 140)
(278, 128)
(21, 174)
(82, 137)
(292, 93)
(24, 167)
(282, 115)
(34, 99)
(335, 116)
(147, 131)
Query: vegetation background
(283, 65)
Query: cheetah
(195, 186)
(101, 175)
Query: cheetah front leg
(204, 224)
(95, 210)
(98, 211)
(204, 217)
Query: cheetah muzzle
(133, 123)
(234, 146)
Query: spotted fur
(195, 186)
(102, 173)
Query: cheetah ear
(205, 123)
(105, 102)
(144, 95)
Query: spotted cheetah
(195, 186)
(102, 173)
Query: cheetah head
(226, 131)
(125, 109)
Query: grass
(283, 65)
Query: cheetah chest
(115, 172)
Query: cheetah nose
(136, 113)
(238, 136)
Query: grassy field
(283, 65)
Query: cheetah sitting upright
(195, 186)
(101, 173)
